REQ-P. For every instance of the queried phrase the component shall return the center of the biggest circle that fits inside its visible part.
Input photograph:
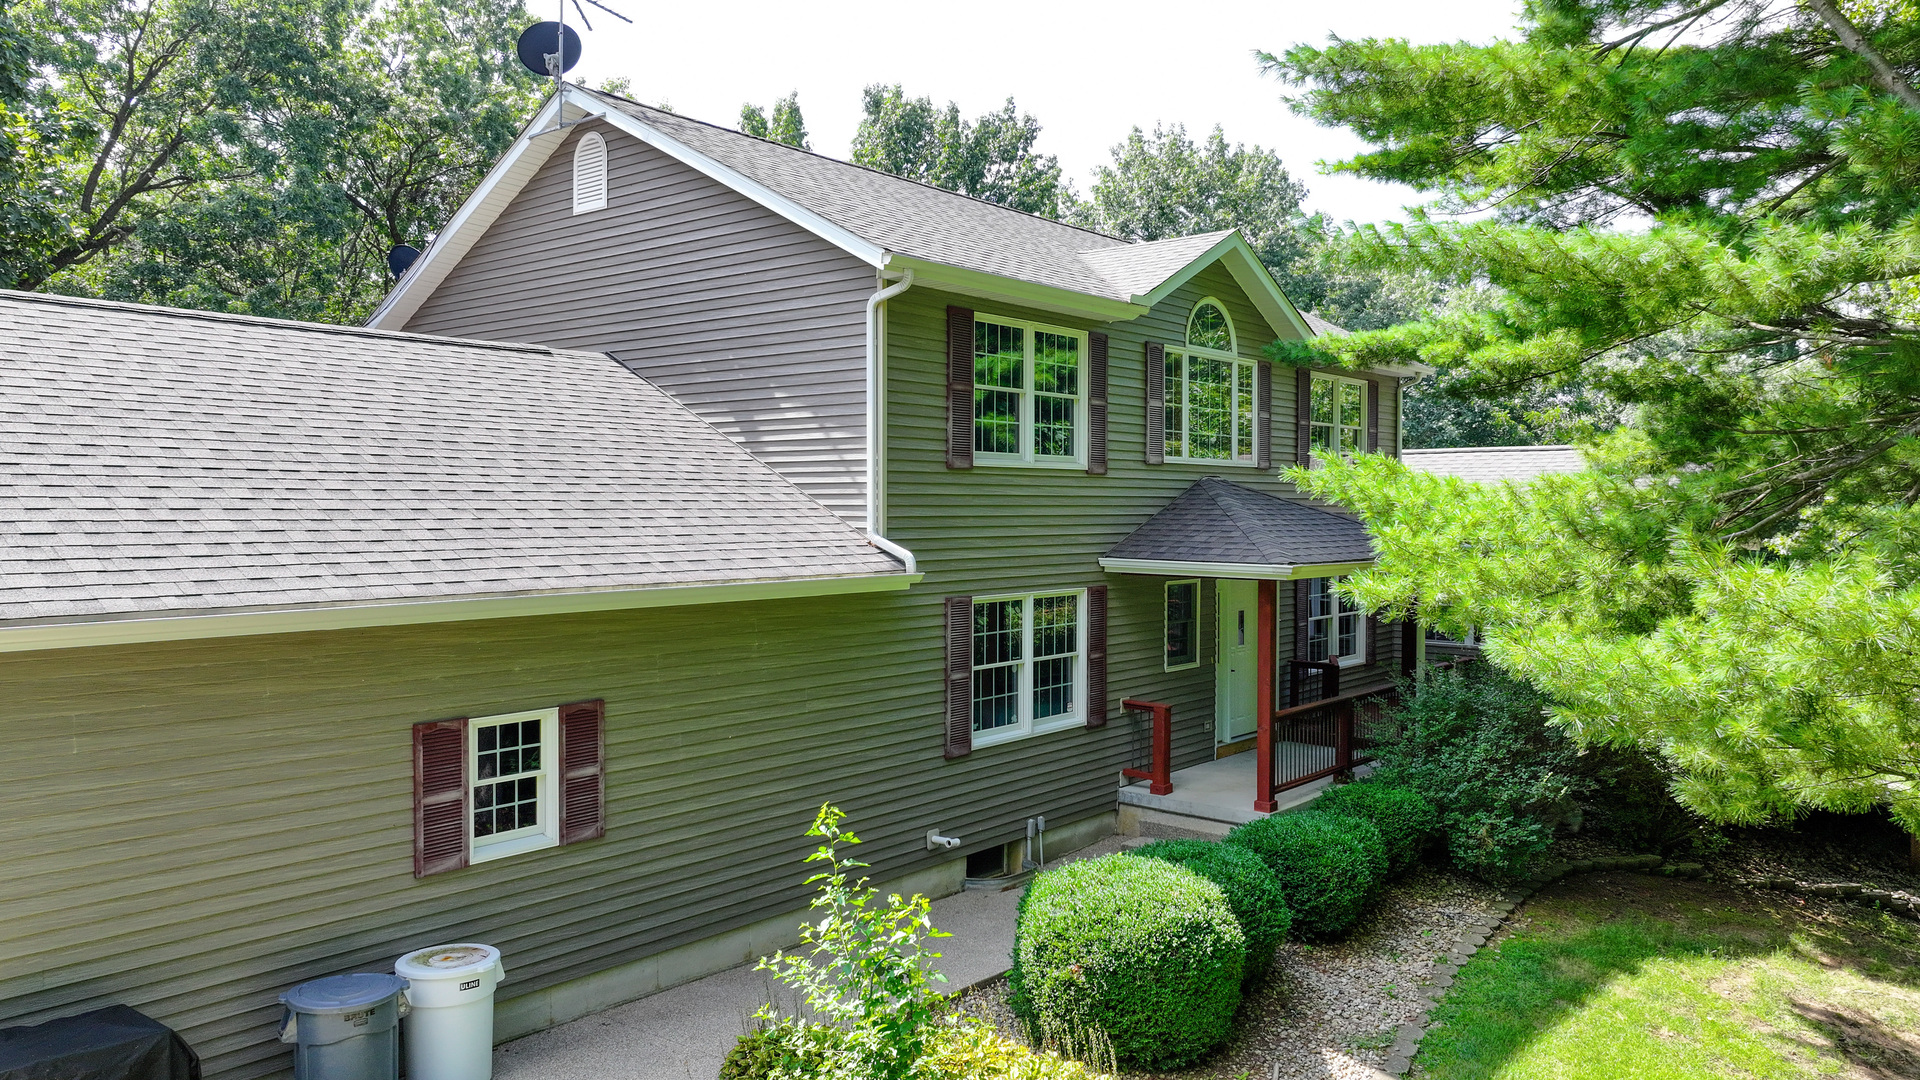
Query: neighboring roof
(1495, 463)
(1225, 525)
(951, 240)
(156, 462)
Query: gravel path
(1332, 1010)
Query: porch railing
(1303, 743)
(1159, 772)
(1310, 681)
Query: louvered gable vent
(590, 173)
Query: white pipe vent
(590, 173)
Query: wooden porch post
(1263, 701)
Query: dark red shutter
(959, 388)
(1097, 656)
(1303, 416)
(1097, 404)
(1263, 415)
(1373, 417)
(1300, 613)
(1156, 403)
(439, 796)
(959, 676)
(583, 771)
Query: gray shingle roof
(1137, 269)
(1495, 463)
(1323, 328)
(156, 461)
(1215, 521)
(902, 215)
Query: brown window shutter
(1156, 403)
(1097, 404)
(1097, 656)
(440, 831)
(959, 676)
(1373, 416)
(1300, 613)
(1303, 416)
(1373, 637)
(1263, 415)
(959, 388)
(583, 776)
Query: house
(688, 481)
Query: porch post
(1263, 700)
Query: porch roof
(1221, 529)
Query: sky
(1087, 71)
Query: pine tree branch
(1857, 43)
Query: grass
(1623, 975)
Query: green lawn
(1625, 976)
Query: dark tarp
(114, 1043)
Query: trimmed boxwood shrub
(1328, 866)
(1141, 951)
(1406, 820)
(1253, 893)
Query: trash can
(450, 1028)
(344, 1027)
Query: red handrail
(1160, 777)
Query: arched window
(590, 173)
(1210, 392)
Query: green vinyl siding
(1001, 528)
(197, 826)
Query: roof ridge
(866, 168)
(62, 299)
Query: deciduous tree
(989, 157)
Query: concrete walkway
(684, 1032)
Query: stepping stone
(1397, 1065)
(1411, 1032)
(1441, 981)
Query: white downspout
(875, 417)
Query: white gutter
(174, 626)
(876, 415)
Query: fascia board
(140, 629)
(1249, 571)
(505, 180)
(987, 286)
(1249, 274)
(864, 250)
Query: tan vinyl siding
(198, 826)
(750, 320)
(1005, 529)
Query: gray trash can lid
(342, 993)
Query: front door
(1236, 676)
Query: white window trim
(1358, 657)
(486, 849)
(1166, 626)
(1077, 717)
(1026, 457)
(1232, 356)
(1366, 388)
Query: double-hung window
(1028, 393)
(1029, 664)
(1210, 392)
(510, 764)
(1339, 416)
(1336, 627)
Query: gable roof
(948, 240)
(1492, 464)
(1216, 526)
(163, 465)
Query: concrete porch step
(1207, 800)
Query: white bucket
(449, 1033)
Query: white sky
(1088, 71)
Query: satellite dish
(400, 257)
(541, 39)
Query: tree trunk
(1856, 42)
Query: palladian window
(1210, 392)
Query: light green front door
(1235, 682)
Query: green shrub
(1139, 951)
(1253, 893)
(1328, 866)
(1406, 819)
(1477, 743)
(777, 1050)
(974, 1051)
